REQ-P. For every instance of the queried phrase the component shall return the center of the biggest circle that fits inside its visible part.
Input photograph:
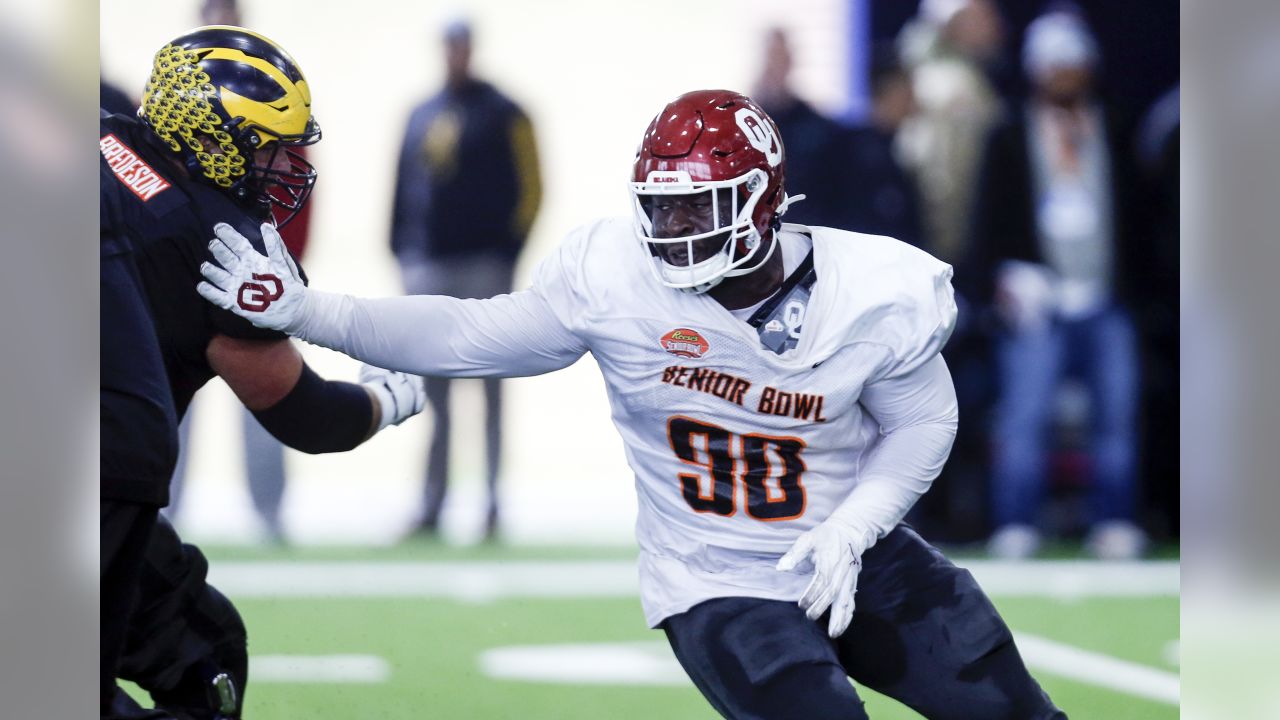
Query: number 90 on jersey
(769, 468)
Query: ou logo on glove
(255, 297)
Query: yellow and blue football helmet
(219, 94)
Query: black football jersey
(165, 219)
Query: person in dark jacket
(881, 198)
(813, 140)
(466, 194)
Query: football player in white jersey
(782, 403)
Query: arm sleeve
(504, 336)
(320, 416)
(918, 419)
(524, 333)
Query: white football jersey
(737, 450)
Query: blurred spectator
(812, 140)
(1158, 314)
(220, 12)
(263, 454)
(884, 200)
(1057, 251)
(467, 191)
(948, 48)
(1158, 152)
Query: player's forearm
(902, 468)
(918, 419)
(506, 336)
(341, 322)
(322, 416)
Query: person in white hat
(1060, 250)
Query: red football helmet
(719, 150)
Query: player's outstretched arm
(510, 335)
(266, 289)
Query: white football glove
(401, 396)
(835, 549)
(265, 289)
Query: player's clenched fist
(265, 289)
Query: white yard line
(318, 669)
(1173, 653)
(646, 663)
(1068, 579)
(467, 581)
(636, 663)
(651, 663)
(488, 581)
(1097, 669)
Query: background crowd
(1018, 149)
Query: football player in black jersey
(211, 143)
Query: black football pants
(125, 532)
(183, 631)
(923, 633)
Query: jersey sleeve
(529, 332)
(916, 324)
(560, 281)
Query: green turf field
(423, 655)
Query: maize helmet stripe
(264, 95)
(248, 41)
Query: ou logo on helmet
(759, 134)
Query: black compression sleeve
(320, 416)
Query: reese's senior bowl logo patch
(685, 343)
